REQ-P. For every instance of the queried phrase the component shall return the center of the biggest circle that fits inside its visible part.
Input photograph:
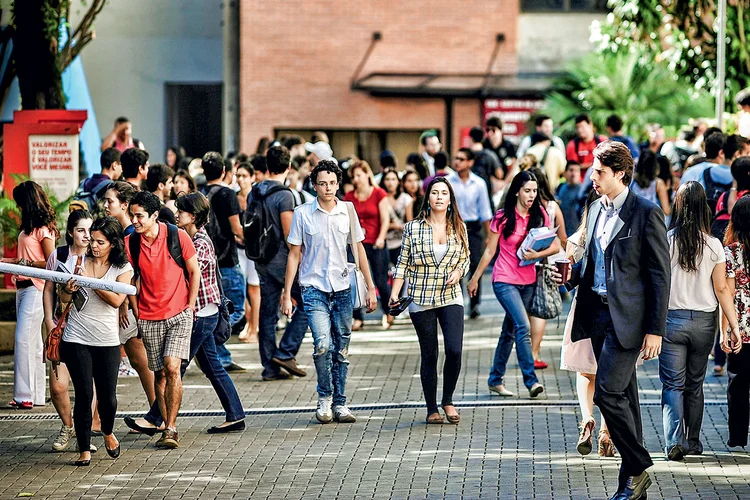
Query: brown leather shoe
(586, 437)
(169, 439)
(291, 366)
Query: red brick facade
(298, 58)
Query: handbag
(546, 302)
(52, 343)
(358, 285)
(223, 329)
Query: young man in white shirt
(318, 242)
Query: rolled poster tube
(58, 277)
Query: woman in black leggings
(91, 344)
(434, 257)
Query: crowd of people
(293, 238)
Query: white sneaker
(324, 413)
(64, 438)
(536, 390)
(126, 370)
(500, 390)
(343, 414)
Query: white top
(324, 238)
(440, 251)
(695, 291)
(97, 324)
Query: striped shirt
(427, 277)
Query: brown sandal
(606, 448)
(453, 419)
(435, 418)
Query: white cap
(321, 149)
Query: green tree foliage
(683, 34)
(629, 84)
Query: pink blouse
(507, 268)
(30, 248)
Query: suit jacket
(637, 269)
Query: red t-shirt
(164, 291)
(584, 154)
(369, 214)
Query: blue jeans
(203, 348)
(270, 295)
(682, 370)
(330, 317)
(515, 299)
(233, 283)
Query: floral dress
(737, 269)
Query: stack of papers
(538, 239)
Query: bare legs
(537, 334)
(137, 355)
(252, 314)
(168, 386)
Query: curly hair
(112, 231)
(36, 209)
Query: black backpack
(173, 244)
(262, 239)
(92, 197)
(714, 189)
(222, 245)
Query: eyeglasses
(459, 158)
(324, 185)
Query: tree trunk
(35, 49)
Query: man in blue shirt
(714, 173)
(474, 206)
(614, 129)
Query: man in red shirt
(581, 149)
(164, 305)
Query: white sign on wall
(53, 161)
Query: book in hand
(538, 239)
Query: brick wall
(297, 59)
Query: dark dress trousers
(637, 268)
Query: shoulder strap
(175, 250)
(544, 157)
(273, 189)
(211, 192)
(352, 243)
(62, 253)
(100, 186)
(135, 252)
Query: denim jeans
(515, 299)
(270, 295)
(203, 348)
(330, 317)
(233, 282)
(682, 369)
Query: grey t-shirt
(281, 201)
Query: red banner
(515, 114)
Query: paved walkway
(501, 449)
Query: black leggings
(89, 364)
(451, 319)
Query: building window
(564, 5)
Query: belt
(21, 284)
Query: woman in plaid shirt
(434, 257)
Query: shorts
(167, 338)
(131, 331)
(248, 269)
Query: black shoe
(732, 444)
(234, 367)
(239, 326)
(474, 314)
(149, 431)
(82, 463)
(635, 489)
(278, 376)
(291, 366)
(113, 453)
(676, 453)
(233, 427)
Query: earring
(449, 209)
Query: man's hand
(731, 341)
(287, 306)
(651, 346)
(556, 277)
(371, 301)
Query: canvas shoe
(64, 438)
(324, 414)
(343, 415)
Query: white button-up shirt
(471, 197)
(324, 237)
(606, 224)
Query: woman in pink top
(514, 284)
(35, 244)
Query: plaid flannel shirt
(208, 293)
(425, 275)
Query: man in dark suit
(623, 284)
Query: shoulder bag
(546, 302)
(52, 344)
(358, 285)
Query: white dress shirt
(324, 237)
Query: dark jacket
(637, 269)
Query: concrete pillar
(231, 95)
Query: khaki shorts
(167, 338)
(131, 331)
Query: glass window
(564, 5)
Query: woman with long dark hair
(36, 242)
(647, 183)
(698, 287)
(77, 236)
(399, 204)
(371, 205)
(735, 342)
(411, 184)
(90, 344)
(435, 256)
(175, 154)
(514, 284)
